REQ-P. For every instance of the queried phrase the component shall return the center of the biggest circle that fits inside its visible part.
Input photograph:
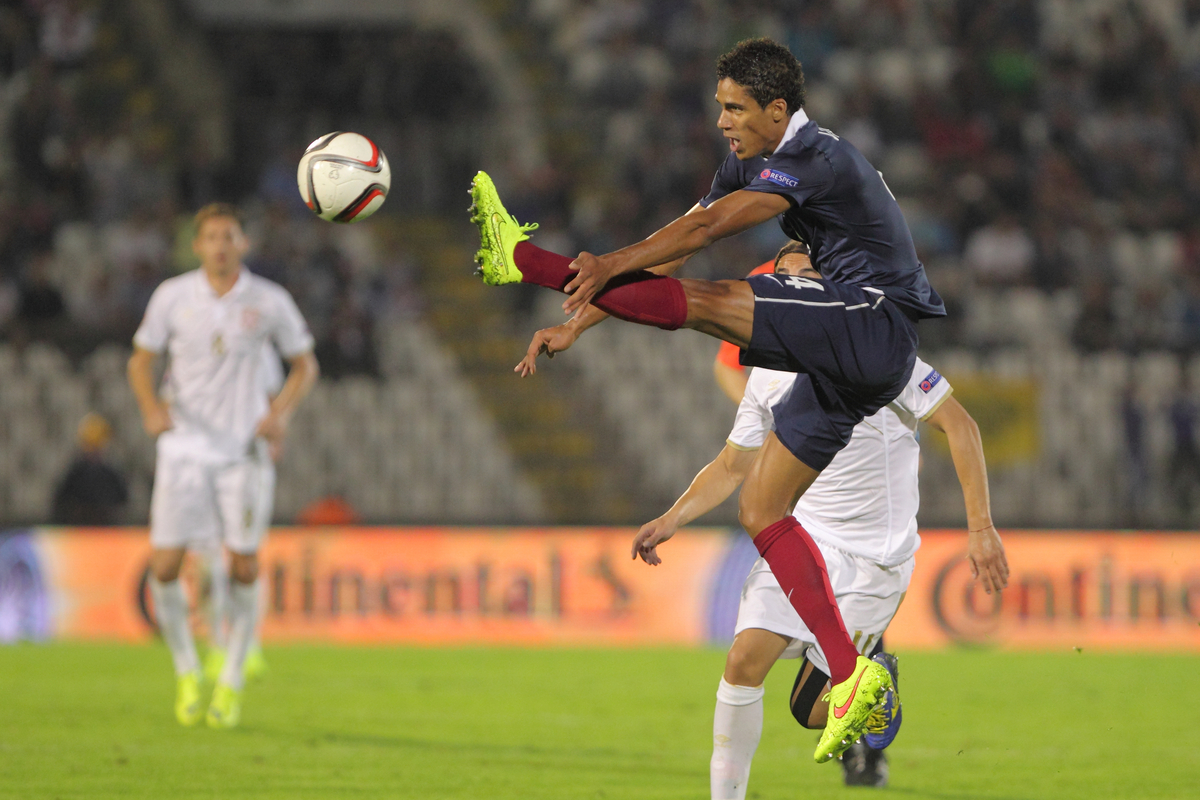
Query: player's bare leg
(738, 718)
(171, 611)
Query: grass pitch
(95, 721)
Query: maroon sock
(800, 569)
(640, 297)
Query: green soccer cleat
(850, 705)
(187, 699)
(499, 233)
(214, 662)
(225, 710)
(255, 665)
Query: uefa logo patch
(931, 380)
(779, 178)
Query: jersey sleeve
(799, 178)
(290, 332)
(155, 330)
(927, 389)
(727, 181)
(753, 421)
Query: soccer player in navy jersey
(850, 336)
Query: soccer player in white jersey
(862, 513)
(216, 432)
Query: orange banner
(579, 586)
(421, 585)
(1127, 590)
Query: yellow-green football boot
(188, 709)
(499, 233)
(225, 710)
(850, 705)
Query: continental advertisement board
(578, 586)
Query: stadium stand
(1045, 154)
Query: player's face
(220, 243)
(751, 129)
(796, 264)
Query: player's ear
(779, 109)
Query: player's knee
(244, 568)
(744, 667)
(753, 517)
(165, 566)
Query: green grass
(95, 721)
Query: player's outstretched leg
(506, 256)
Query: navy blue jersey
(841, 208)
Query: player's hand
(651, 535)
(157, 419)
(548, 341)
(594, 273)
(989, 565)
(273, 428)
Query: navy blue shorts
(852, 349)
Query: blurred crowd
(1048, 145)
(99, 177)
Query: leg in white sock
(218, 596)
(737, 728)
(243, 607)
(171, 611)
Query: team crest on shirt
(931, 380)
(250, 318)
(779, 178)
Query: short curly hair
(767, 70)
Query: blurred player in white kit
(861, 511)
(217, 436)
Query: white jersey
(865, 502)
(215, 383)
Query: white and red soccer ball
(343, 177)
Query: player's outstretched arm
(140, 371)
(691, 233)
(301, 378)
(984, 548)
(708, 490)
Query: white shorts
(868, 596)
(195, 503)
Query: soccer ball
(343, 177)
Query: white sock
(243, 619)
(737, 727)
(171, 611)
(218, 598)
